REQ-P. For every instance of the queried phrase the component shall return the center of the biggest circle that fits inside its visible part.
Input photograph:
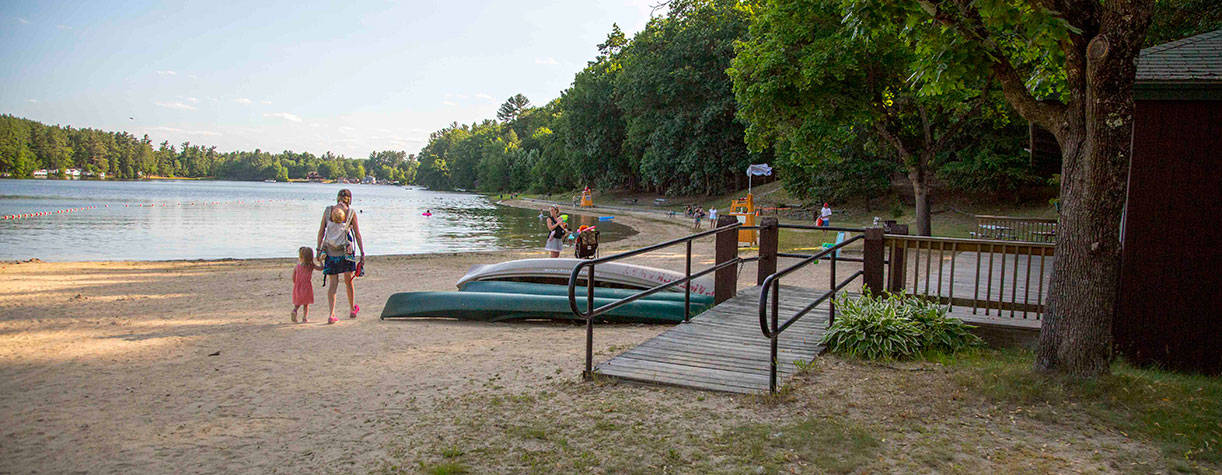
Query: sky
(349, 77)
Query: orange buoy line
(37, 214)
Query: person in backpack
(336, 245)
(556, 230)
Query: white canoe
(557, 271)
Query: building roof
(1196, 58)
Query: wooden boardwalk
(723, 348)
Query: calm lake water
(159, 220)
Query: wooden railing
(1013, 228)
(993, 277)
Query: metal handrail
(772, 282)
(819, 228)
(592, 312)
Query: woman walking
(335, 243)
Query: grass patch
(444, 468)
(1181, 413)
(825, 444)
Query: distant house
(369, 180)
(70, 173)
(314, 177)
(1170, 292)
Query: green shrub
(894, 326)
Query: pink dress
(303, 293)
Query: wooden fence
(1012, 228)
(989, 277)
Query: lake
(195, 219)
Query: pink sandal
(355, 310)
(332, 320)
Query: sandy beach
(165, 366)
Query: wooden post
(725, 281)
(874, 254)
(769, 237)
(897, 269)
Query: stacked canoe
(495, 301)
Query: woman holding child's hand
(335, 243)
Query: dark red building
(1170, 307)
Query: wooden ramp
(723, 348)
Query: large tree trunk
(921, 192)
(1095, 137)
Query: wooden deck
(723, 348)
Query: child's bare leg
(295, 307)
(305, 312)
(332, 282)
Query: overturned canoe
(498, 306)
(556, 271)
(507, 287)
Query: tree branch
(925, 127)
(893, 140)
(971, 26)
(958, 123)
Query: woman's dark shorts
(338, 265)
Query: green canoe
(506, 287)
(498, 306)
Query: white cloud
(242, 100)
(63, 27)
(22, 20)
(176, 105)
(192, 76)
(163, 129)
(32, 101)
(166, 72)
(266, 102)
(208, 133)
(315, 124)
(484, 97)
(193, 100)
(283, 115)
(347, 128)
(449, 103)
(547, 60)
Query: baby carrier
(336, 235)
(586, 246)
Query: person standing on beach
(713, 217)
(825, 215)
(303, 293)
(555, 232)
(334, 242)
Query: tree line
(683, 107)
(27, 145)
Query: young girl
(303, 294)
